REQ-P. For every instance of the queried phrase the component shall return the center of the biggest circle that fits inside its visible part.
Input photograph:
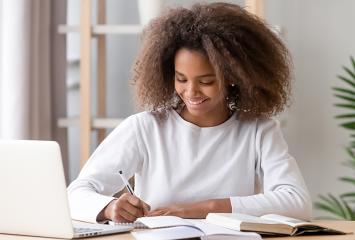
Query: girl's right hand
(127, 208)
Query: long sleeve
(283, 189)
(99, 178)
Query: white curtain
(25, 78)
(32, 70)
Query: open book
(171, 227)
(270, 224)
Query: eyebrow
(200, 76)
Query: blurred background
(65, 68)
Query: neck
(207, 120)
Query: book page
(238, 218)
(301, 227)
(252, 219)
(293, 222)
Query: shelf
(117, 29)
(97, 123)
(124, 29)
(103, 29)
(63, 29)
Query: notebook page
(211, 229)
(163, 221)
(168, 233)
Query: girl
(212, 77)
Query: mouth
(195, 102)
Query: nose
(192, 88)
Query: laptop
(33, 193)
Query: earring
(231, 103)
(232, 106)
(232, 97)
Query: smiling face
(198, 87)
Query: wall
(320, 37)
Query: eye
(181, 80)
(207, 81)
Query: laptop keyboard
(86, 230)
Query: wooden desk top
(346, 226)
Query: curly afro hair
(246, 55)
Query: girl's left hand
(194, 210)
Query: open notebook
(171, 227)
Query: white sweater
(175, 161)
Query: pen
(126, 183)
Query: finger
(127, 216)
(135, 201)
(152, 214)
(168, 213)
(138, 203)
(146, 208)
(117, 217)
(157, 212)
(134, 211)
(123, 204)
(120, 219)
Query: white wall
(320, 37)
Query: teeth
(195, 102)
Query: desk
(347, 226)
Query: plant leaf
(349, 164)
(325, 218)
(327, 200)
(328, 204)
(348, 179)
(349, 72)
(348, 195)
(344, 90)
(351, 161)
(342, 207)
(348, 211)
(342, 105)
(334, 206)
(346, 80)
(353, 62)
(350, 99)
(338, 204)
(351, 115)
(349, 125)
(327, 208)
(350, 153)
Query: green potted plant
(342, 206)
